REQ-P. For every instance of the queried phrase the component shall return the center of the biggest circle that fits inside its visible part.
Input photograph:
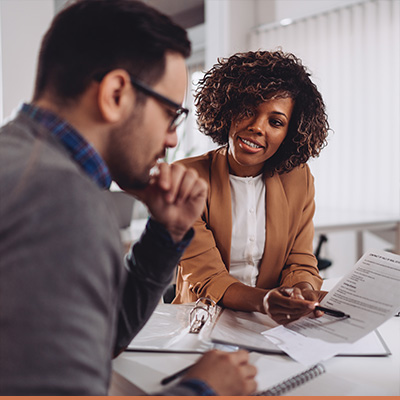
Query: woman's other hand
(285, 304)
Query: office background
(352, 49)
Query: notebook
(281, 387)
(277, 375)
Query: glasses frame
(181, 113)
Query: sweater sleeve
(149, 266)
(188, 387)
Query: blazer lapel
(276, 232)
(220, 211)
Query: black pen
(334, 313)
(176, 375)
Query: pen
(176, 375)
(334, 313)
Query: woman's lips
(249, 145)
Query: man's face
(145, 135)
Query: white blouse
(248, 227)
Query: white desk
(330, 220)
(381, 374)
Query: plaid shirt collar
(81, 151)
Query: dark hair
(236, 85)
(93, 37)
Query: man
(111, 77)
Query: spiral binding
(293, 382)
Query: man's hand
(228, 374)
(285, 305)
(175, 198)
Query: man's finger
(187, 186)
(163, 178)
(176, 175)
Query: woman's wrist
(304, 285)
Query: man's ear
(115, 96)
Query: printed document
(369, 293)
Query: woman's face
(256, 138)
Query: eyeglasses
(180, 112)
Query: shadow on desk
(120, 386)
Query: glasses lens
(180, 116)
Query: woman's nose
(258, 125)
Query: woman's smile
(249, 145)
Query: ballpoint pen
(333, 313)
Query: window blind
(353, 54)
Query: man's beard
(138, 184)
(133, 183)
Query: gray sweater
(69, 301)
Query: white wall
(269, 11)
(299, 9)
(22, 25)
(229, 22)
(227, 27)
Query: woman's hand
(313, 295)
(285, 304)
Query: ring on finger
(288, 316)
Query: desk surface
(334, 219)
(325, 220)
(372, 375)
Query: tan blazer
(288, 254)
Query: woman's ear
(115, 96)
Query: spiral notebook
(277, 375)
(293, 382)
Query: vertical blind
(353, 54)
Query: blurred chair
(323, 263)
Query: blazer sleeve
(301, 264)
(202, 271)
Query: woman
(252, 249)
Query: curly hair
(235, 86)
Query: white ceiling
(173, 7)
(186, 13)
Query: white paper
(369, 293)
(244, 329)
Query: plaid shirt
(201, 388)
(81, 151)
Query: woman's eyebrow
(280, 113)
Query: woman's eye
(276, 122)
